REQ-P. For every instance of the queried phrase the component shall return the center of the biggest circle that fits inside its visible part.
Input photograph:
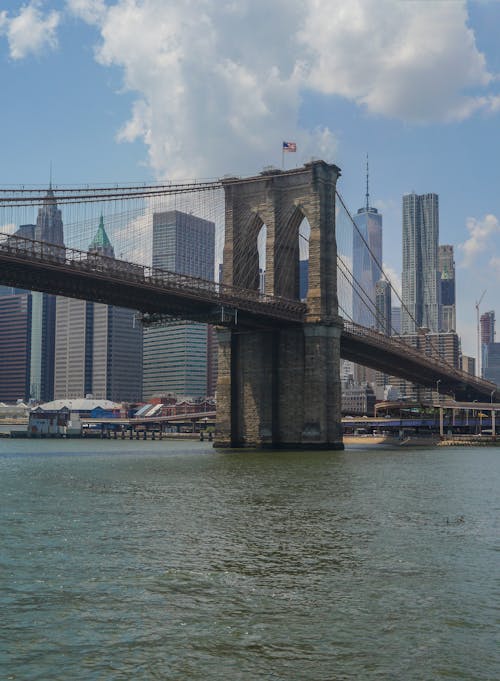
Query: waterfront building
(383, 306)
(15, 338)
(358, 400)
(64, 417)
(421, 278)
(366, 253)
(98, 347)
(180, 357)
(446, 266)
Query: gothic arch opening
(262, 250)
(249, 254)
(304, 236)
(292, 256)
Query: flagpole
(282, 156)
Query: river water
(169, 560)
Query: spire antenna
(50, 176)
(367, 185)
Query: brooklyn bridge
(279, 352)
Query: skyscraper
(491, 363)
(98, 347)
(396, 320)
(383, 305)
(176, 355)
(487, 322)
(15, 327)
(303, 279)
(421, 281)
(49, 224)
(366, 248)
(48, 228)
(487, 325)
(446, 266)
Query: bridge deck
(36, 265)
(395, 357)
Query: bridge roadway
(39, 266)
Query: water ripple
(163, 561)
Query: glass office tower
(366, 258)
(446, 267)
(176, 355)
(48, 228)
(421, 276)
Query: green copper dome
(101, 243)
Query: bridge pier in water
(279, 386)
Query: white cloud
(495, 266)
(385, 206)
(482, 235)
(409, 60)
(212, 98)
(91, 11)
(8, 228)
(220, 82)
(31, 31)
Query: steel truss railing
(193, 288)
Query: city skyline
(427, 116)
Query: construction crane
(478, 303)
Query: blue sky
(129, 91)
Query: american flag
(289, 146)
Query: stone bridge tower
(280, 387)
